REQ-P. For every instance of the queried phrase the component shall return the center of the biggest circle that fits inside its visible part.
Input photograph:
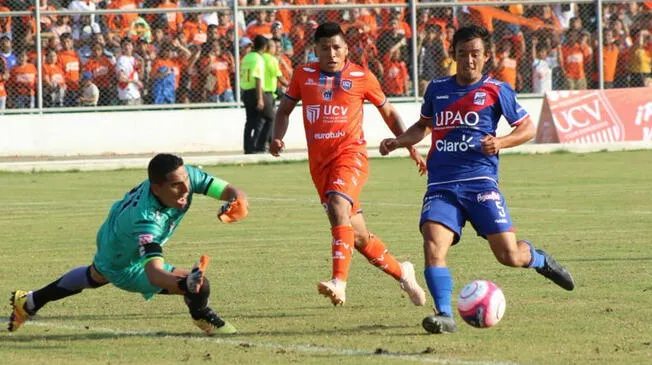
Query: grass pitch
(591, 211)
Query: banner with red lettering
(596, 116)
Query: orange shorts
(345, 176)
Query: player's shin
(71, 283)
(378, 255)
(198, 302)
(342, 249)
(440, 285)
(537, 260)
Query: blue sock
(537, 260)
(440, 285)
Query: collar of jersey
(471, 86)
(336, 73)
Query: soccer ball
(481, 303)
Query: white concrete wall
(216, 130)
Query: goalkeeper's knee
(196, 302)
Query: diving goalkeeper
(130, 245)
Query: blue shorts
(478, 201)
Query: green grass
(591, 211)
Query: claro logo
(455, 146)
(329, 135)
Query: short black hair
(328, 30)
(161, 165)
(471, 32)
(260, 42)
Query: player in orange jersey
(333, 91)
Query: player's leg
(338, 208)
(488, 212)
(441, 226)
(135, 279)
(26, 303)
(375, 251)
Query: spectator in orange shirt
(102, 69)
(573, 55)
(395, 75)
(54, 84)
(71, 65)
(260, 25)
(4, 76)
(609, 61)
(285, 65)
(504, 64)
(22, 79)
(5, 23)
(171, 21)
(194, 30)
(217, 67)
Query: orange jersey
(194, 33)
(23, 79)
(220, 67)
(506, 70)
(171, 64)
(103, 71)
(332, 108)
(55, 73)
(70, 64)
(573, 57)
(394, 76)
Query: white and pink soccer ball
(481, 303)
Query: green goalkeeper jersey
(138, 219)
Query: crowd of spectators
(132, 58)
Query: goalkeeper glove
(233, 210)
(193, 281)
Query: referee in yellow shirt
(272, 77)
(252, 73)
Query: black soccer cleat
(554, 271)
(439, 324)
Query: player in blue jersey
(130, 245)
(462, 112)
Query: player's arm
(395, 124)
(236, 207)
(410, 137)
(523, 132)
(281, 122)
(158, 276)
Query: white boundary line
(121, 162)
(268, 345)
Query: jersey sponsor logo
(339, 182)
(308, 69)
(327, 95)
(464, 145)
(441, 97)
(312, 113)
(145, 238)
(501, 221)
(491, 195)
(329, 135)
(310, 82)
(451, 118)
(347, 84)
(357, 73)
(479, 98)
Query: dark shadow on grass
(100, 317)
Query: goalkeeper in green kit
(131, 240)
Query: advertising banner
(596, 116)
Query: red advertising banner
(596, 116)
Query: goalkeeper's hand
(193, 282)
(234, 210)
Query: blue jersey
(461, 117)
(140, 218)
